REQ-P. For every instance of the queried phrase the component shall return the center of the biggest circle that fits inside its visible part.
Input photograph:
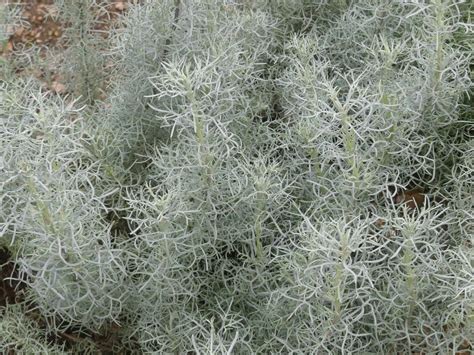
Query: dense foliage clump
(243, 177)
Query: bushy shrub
(20, 335)
(260, 177)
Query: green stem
(261, 202)
(410, 280)
(338, 278)
(439, 40)
(42, 206)
(313, 153)
(348, 138)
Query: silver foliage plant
(254, 153)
